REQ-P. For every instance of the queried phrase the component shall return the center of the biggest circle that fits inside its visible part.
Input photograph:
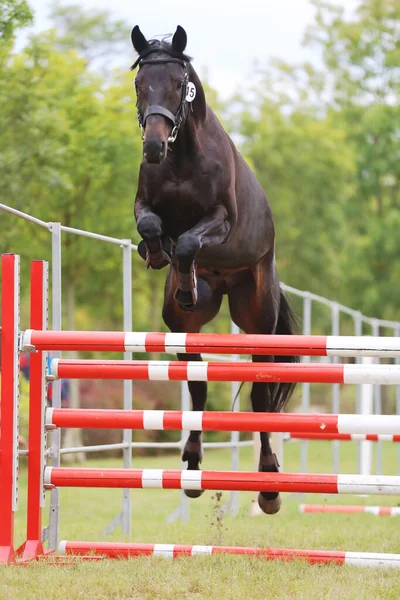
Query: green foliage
(13, 15)
(362, 54)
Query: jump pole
(171, 551)
(215, 343)
(224, 371)
(248, 481)
(312, 424)
(378, 511)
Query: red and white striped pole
(9, 405)
(127, 550)
(33, 546)
(217, 343)
(378, 511)
(320, 426)
(224, 371)
(222, 480)
(351, 437)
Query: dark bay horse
(200, 210)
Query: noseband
(155, 109)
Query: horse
(200, 210)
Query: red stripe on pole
(210, 480)
(336, 508)
(127, 550)
(385, 511)
(212, 421)
(217, 371)
(155, 342)
(97, 418)
(274, 345)
(8, 375)
(84, 341)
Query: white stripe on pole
(371, 559)
(369, 484)
(54, 367)
(158, 371)
(201, 550)
(378, 374)
(164, 550)
(26, 340)
(192, 421)
(175, 342)
(363, 346)
(197, 371)
(152, 478)
(135, 341)
(374, 510)
(153, 419)
(374, 424)
(191, 480)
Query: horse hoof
(193, 493)
(269, 507)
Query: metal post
(378, 406)
(367, 395)
(56, 309)
(335, 388)
(396, 332)
(305, 402)
(358, 332)
(127, 434)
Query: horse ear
(138, 40)
(179, 40)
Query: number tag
(190, 92)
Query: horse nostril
(162, 150)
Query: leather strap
(155, 109)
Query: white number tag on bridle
(190, 92)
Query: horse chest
(180, 205)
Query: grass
(85, 512)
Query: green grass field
(86, 512)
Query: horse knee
(149, 226)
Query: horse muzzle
(154, 150)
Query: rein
(155, 109)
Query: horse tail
(286, 325)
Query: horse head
(164, 91)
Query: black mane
(160, 46)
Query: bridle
(156, 109)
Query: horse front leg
(154, 247)
(212, 229)
(193, 449)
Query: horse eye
(179, 85)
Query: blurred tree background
(325, 145)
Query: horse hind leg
(259, 306)
(262, 401)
